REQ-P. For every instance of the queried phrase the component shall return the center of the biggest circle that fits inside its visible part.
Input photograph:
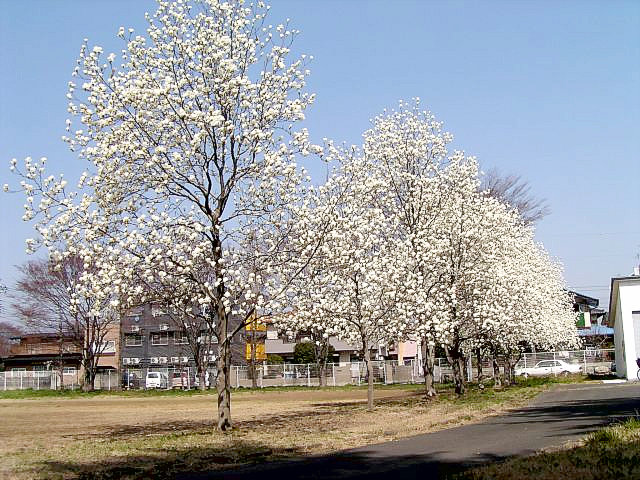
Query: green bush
(274, 359)
(304, 353)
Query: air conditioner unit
(185, 359)
(135, 328)
(175, 359)
(163, 359)
(212, 358)
(125, 361)
(164, 327)
(382, 351)
(154, 360)
(134, 360)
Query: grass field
(612, 452)
(141, 435)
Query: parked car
(180, 380)
(131, 381)
(156, 380)
(549, 367)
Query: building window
(18, 369)
(109, 346)
(69, 371)
(133, 340)
(160, 338)
(180, 338)
(157, 310)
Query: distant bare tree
(3, 293)
(516, 192)
(43, 301)
(7, 330)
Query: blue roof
(595, 330)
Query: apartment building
(151, 340)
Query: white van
(156, 380)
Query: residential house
(591, 320)
(624, 317)
(277, 343)
(42, 352)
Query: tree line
(194, 196)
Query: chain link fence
(586, 362)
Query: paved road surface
(568, 412)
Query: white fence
(50, 380)
(590, 362)
(353, 373)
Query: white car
(550, 367)
(156, 380)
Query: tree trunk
(223, 385)
(367, 359)
(509, 370)
(479, 363)
(322, 372)
(252, 361)
(428, 365)
(202, 379)
(497, 379)
(506, 372)
(455, 358)
(88, 383)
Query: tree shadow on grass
(321, 412)
(166, 463)
(252, 460)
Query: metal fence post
(308, 376)
(555, 374)
(333, 373)
(584, 356)
(20, 380)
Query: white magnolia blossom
(352, 287)
(192, 195)
(191, 182)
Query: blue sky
(546, 90)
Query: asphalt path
(568, 412)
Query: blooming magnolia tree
(407, 149)
(499, 285)
(192, 197)
(189, 142)
(353, 286)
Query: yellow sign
(260, 352)
(255, 324)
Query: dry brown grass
(133, 437)
(612, 452)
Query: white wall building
(624, 316)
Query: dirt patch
(157, 436)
